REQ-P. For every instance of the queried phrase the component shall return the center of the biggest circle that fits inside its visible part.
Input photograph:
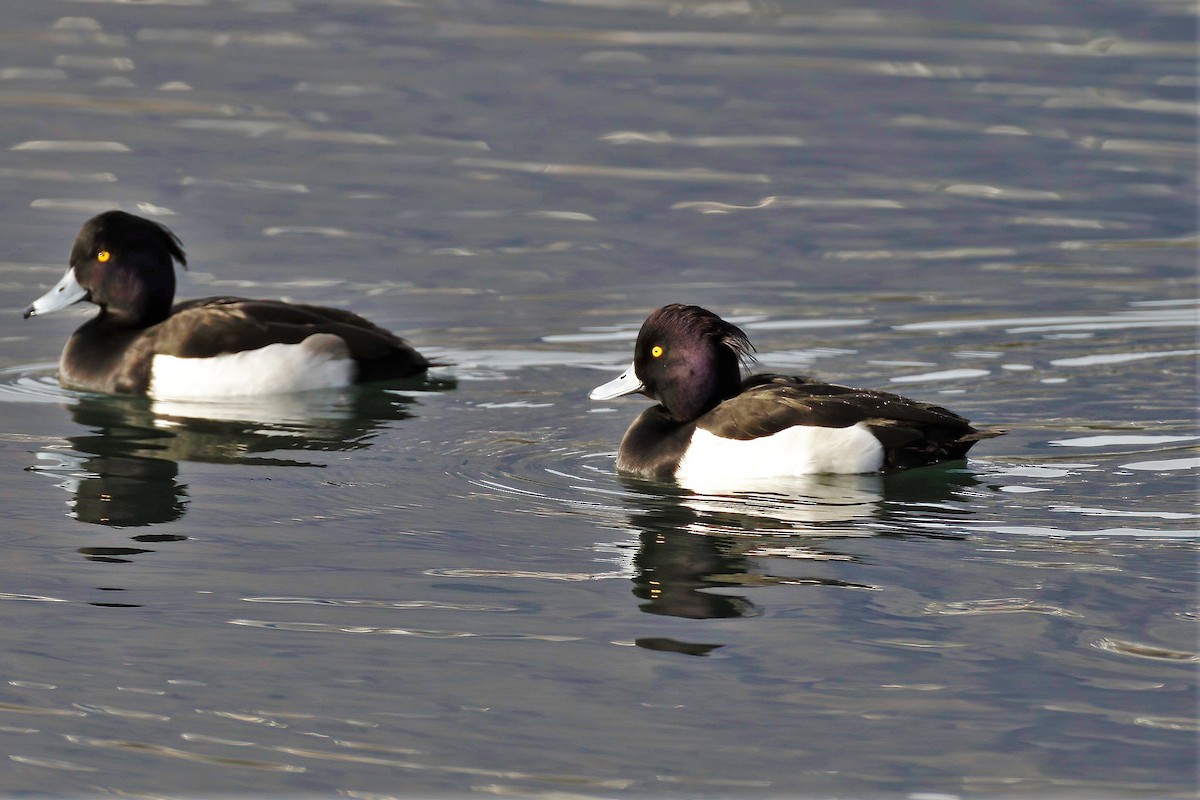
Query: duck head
(122, 263)
(686, 358)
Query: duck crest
(687, 321)
(117, 227)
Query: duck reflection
(689, 543)
(695, 551)
(124, 472)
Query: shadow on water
(124, 472)
(694, 549)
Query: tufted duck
(206, 348)
(712, 428)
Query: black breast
(100, 358)
(654, 445)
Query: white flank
(322, 361)
(713, 464)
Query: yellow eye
(103, 256)
(656, 351)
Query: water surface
(441, 587)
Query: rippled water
(441, 588)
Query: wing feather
(912, 432)
(215, 326)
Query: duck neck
(687, 398)
(135, 315)
(141, 298)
